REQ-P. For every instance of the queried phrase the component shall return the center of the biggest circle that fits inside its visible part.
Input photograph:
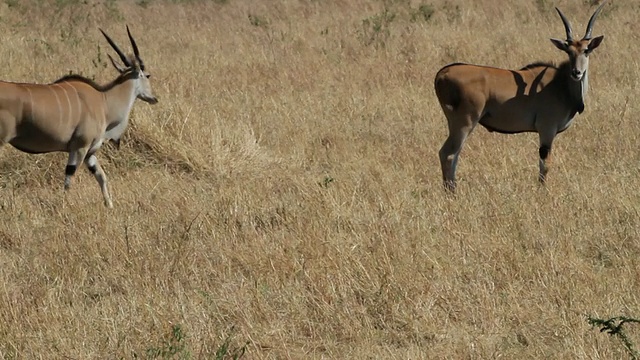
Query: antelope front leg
(94, 167)
(544, 168)
(545, 157)
(75, 157)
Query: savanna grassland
(283, 200)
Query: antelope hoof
(450, 186)
(542, 179)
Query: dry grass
(285, 193)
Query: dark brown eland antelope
(74, 114)
(540, 97)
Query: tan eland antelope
(540, 97)
(74, 114)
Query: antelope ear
(595, 42)
(560, 44)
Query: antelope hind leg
(448, 158)
(450, 152)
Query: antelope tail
(448, 93)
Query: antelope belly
(508, 125)
(37, 146)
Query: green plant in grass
(171, 347)
(614, 327)
(228, 351)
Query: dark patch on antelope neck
(125, 76)
(562, 76)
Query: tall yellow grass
(285, 194)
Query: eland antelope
(539, 97)
(74, 114)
